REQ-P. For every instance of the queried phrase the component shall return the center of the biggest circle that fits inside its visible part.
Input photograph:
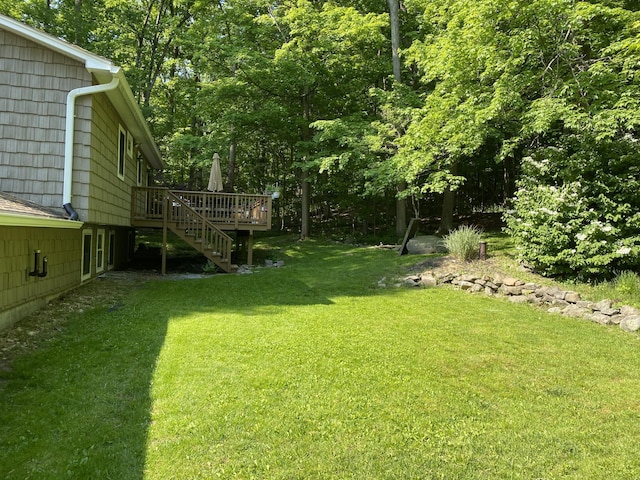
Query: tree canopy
(500, 102)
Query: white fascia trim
(18, 220)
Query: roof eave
(25, 220)
(124, 100)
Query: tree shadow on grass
(79, 405)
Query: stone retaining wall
(553, 299)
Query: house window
(87, 239)
(111, 255)
(122, 151)
(100, 251)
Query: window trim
(86, 261)
(129, 145)
(100, 234)
(111, 249)
(140, 163)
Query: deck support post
(250, 249)
(164, 234)
(244, 246)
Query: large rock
(630, 324)
(572, 310)
(428, 280)
(511, 290)
(425, 244)
(512, 282)
(628, 311)
(572, 297)
(598, 318)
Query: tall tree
(394, 19)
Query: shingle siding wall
(20, 293)
(109, 195)
(34, 83)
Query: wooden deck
(226, 211)
(202, 218)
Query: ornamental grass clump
(463, 243)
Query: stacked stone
(554, 299)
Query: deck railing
(195, 225)
(227, 210)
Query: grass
(313, 371)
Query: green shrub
(577, 210)
(562, 230)
(463, 243)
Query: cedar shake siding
(109, 195)
(34, 83)
(112, 150)
(32, 128)
(21, 294)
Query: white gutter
(69, 137)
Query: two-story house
(73, 145)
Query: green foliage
(463, 242)
(567, 230)
(302, 90)
(509, 80)
(628, 284)
(575, 212)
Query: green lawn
(313, 371)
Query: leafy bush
(462, 243)
(210, 267)
(587, 228)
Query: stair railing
(194, 224)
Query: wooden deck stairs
(201, 219)
(192, 227)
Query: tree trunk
(509, 182)
(232, 146)
(305, 215)
(401, 212)
(232, 166)
(394, 17)
(448, 206)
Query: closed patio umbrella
(215, 177)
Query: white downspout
(69, 138)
